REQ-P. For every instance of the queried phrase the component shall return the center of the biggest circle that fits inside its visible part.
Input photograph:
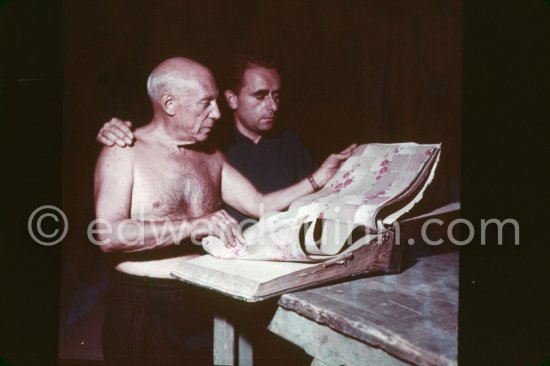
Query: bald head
(175, 75)
(183, 93)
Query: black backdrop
(399, 66)
(354, 71)
(357, 71)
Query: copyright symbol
(36, 226)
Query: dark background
(364, 71)
(358, 71)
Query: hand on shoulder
(116, 132)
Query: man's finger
(229, 238)
(115, 121)
(108, 135)
(234, 227)
(122, 128)
(349, 149)
(104, 141)
(111, 136)
(122, 132)
(228, 218)
(222, 231)
(343, 155)
(237, 234)
(125, 129)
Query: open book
(342, 230)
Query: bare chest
(175, 185)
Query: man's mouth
(207, 126)
(205, 130)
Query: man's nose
(272, 103)
(215, 112)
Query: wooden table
(406, 318)
(398, 319)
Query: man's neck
(159, 129)
(251, 135)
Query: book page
(269, 270)
(372, 178)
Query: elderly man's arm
(239, 193)
(117, 231)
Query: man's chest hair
(176, 185)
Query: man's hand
(331, 165)
(221, 225)
(215, 247)
(116, 132)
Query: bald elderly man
(153, 198)
(270, 158)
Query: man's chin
(203, 135)
(267, 125)
(199, 137)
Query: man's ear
(168, 103)
(231, 99)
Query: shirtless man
(172, 181)
(270, 158)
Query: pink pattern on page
(346, 180)
(369, 179)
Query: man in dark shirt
(269, 159)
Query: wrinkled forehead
(261, 78)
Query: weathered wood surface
(326, 345)
(412, 316)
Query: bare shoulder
(116, 155)
(125, 154)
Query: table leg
(224, 341)
(245, 351)
(224, 344)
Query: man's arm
(239, 193)
(113, 198)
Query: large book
(343, 230)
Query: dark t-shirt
(274, 163)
